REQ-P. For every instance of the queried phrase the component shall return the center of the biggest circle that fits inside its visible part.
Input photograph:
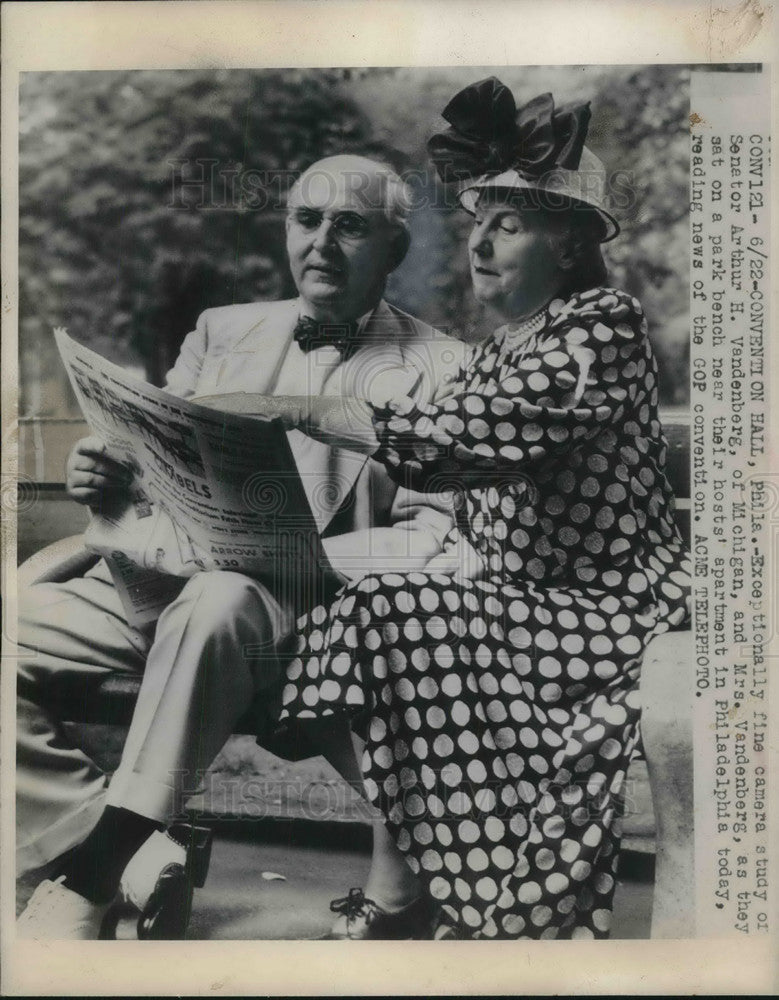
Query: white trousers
(212, 653)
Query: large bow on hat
(488, 135)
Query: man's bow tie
(310, 334)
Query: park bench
(46, 514)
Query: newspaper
(208, 491)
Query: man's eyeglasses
(345, 225)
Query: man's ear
(401, 241)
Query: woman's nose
(480, 244)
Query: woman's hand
(93, 475)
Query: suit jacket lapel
(377, 370)
(260, 360)
(266, 340)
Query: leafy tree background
(116, 248)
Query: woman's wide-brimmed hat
(492, 144)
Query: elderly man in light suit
(346, 231)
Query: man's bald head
(347, 229)
(376, 183)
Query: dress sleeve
(586, 372)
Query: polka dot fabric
(500, 713)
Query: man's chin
(329, 292)
(327, 303)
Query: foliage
(113, 246)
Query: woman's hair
(574, 230)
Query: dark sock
(95, 867)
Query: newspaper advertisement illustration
(209, 490)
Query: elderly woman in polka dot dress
(498, 701)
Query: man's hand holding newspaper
(177, 488)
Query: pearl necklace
(516, 332)
(508, 339)
(521, 336)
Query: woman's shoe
(364, 920)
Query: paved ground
(237, 903)
(309, 834)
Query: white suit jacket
(251, 348)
